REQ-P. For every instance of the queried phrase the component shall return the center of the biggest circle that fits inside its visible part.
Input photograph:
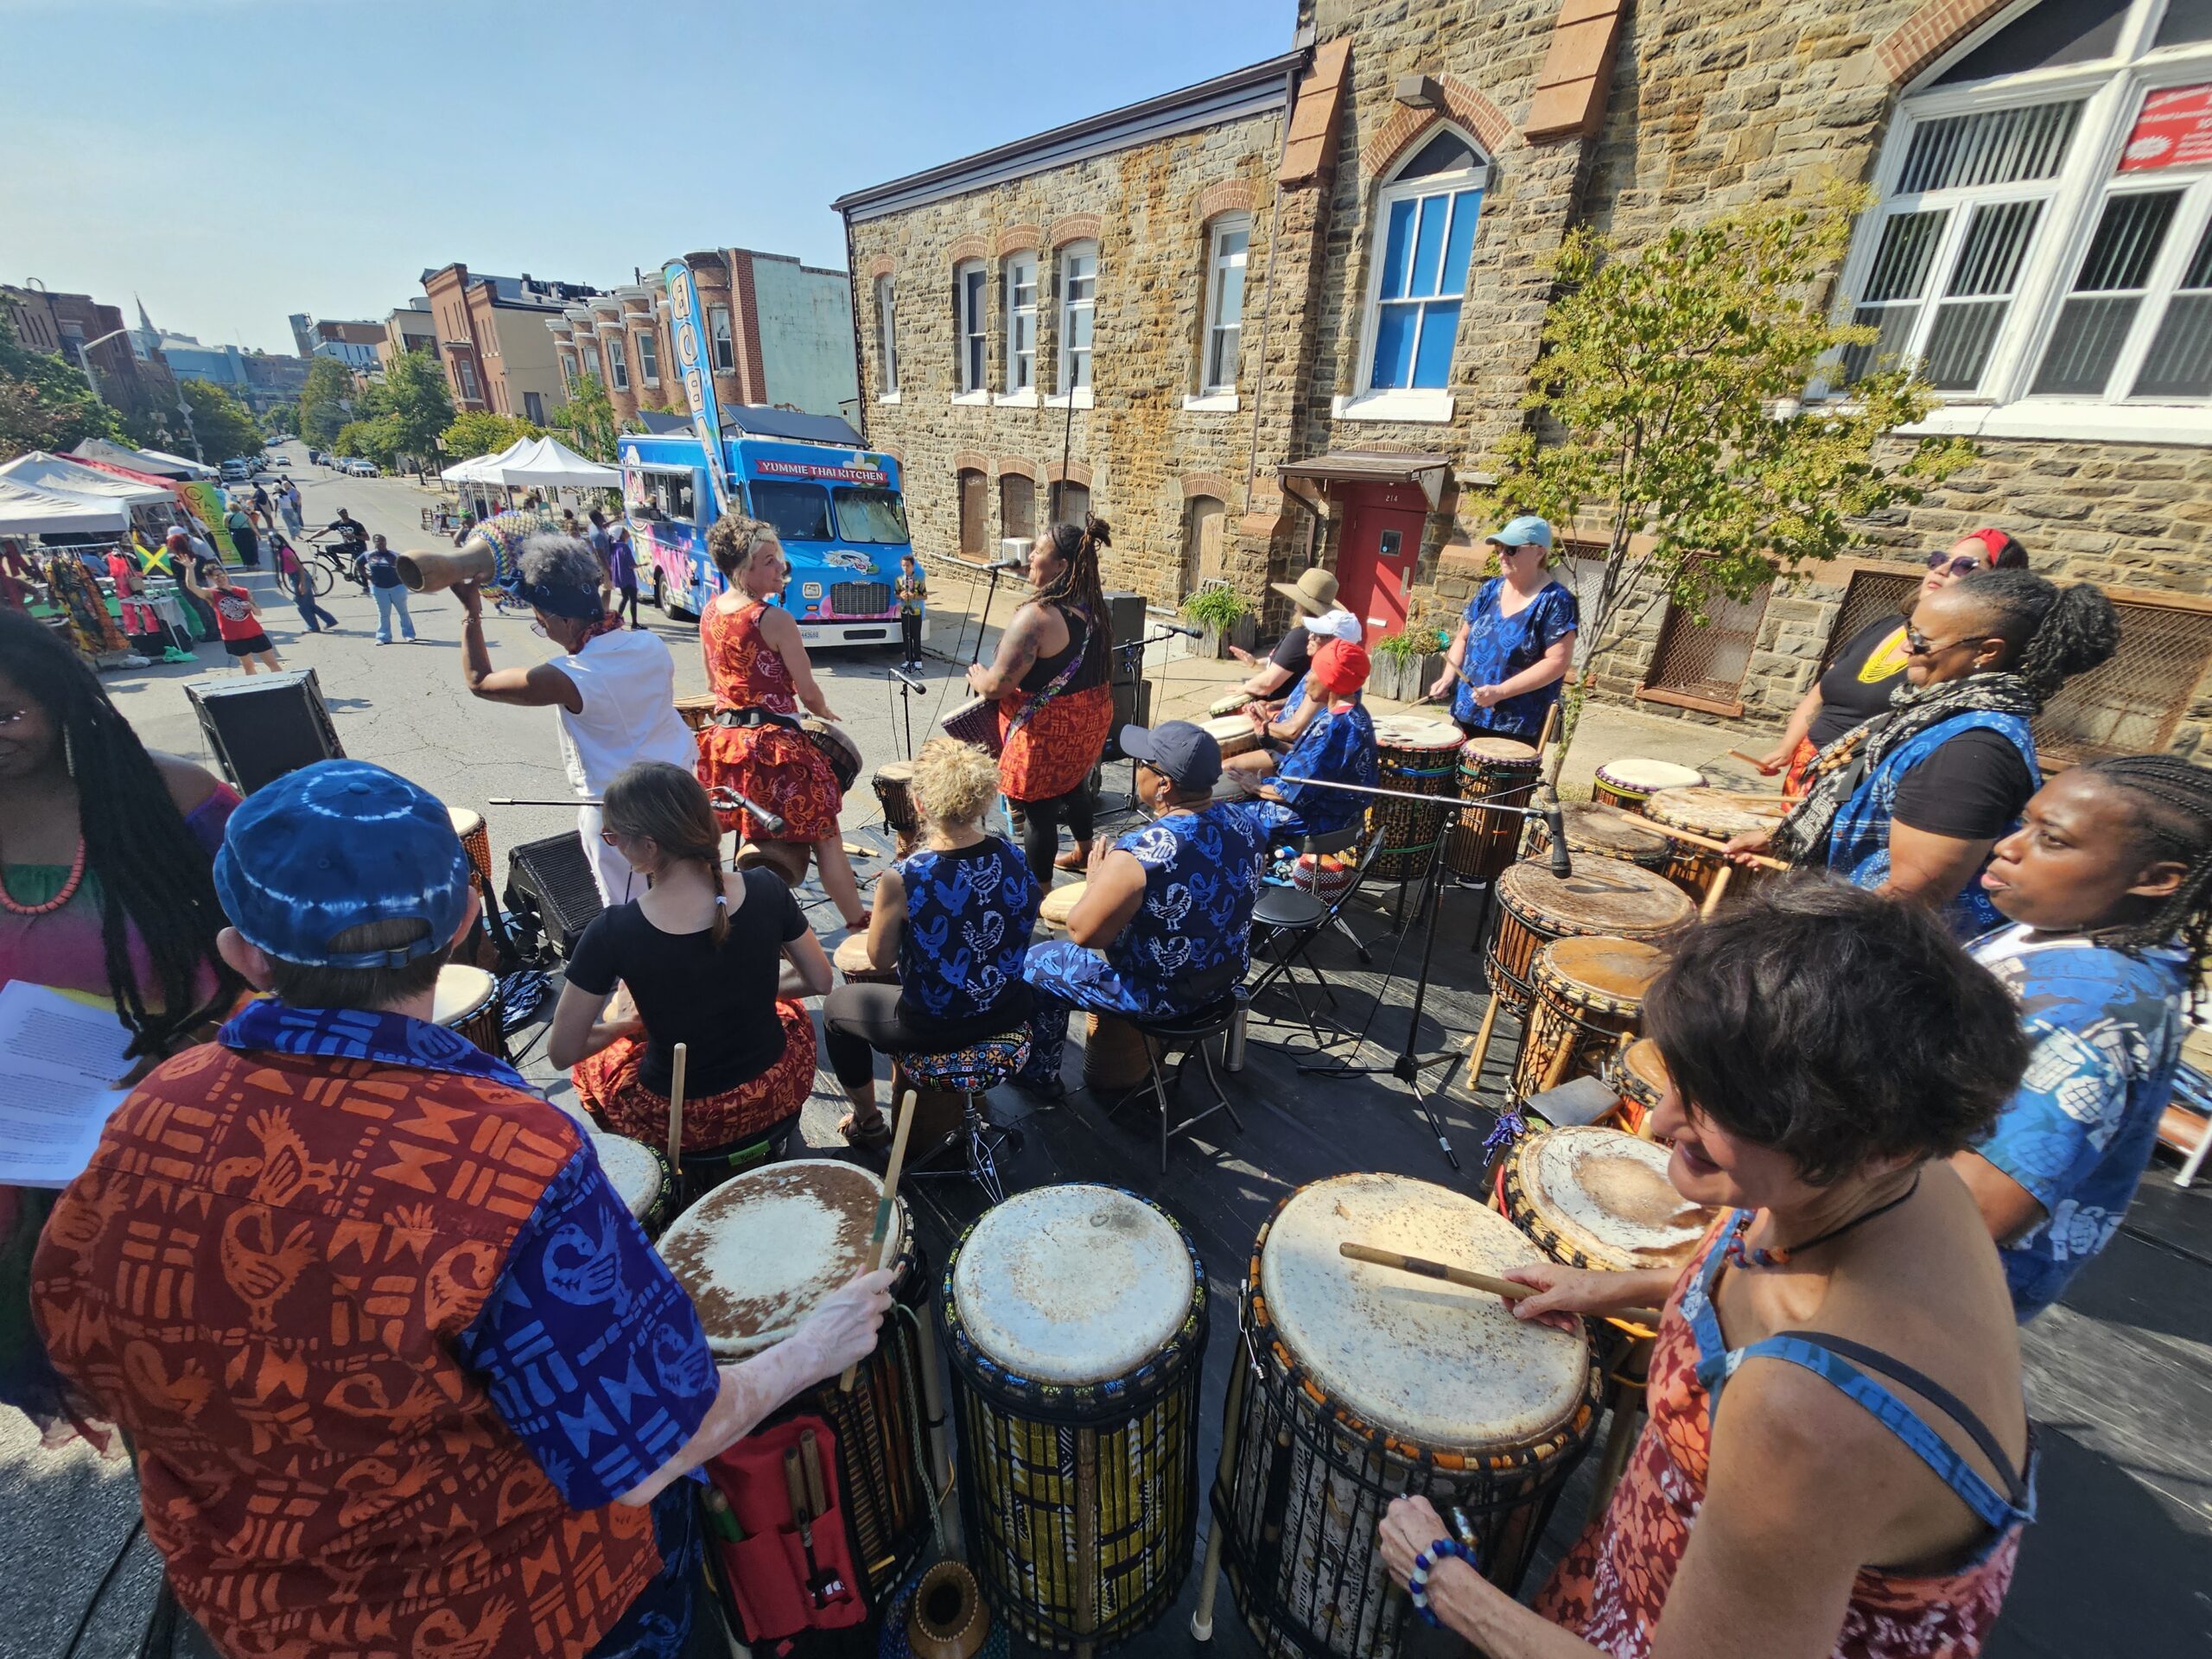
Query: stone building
(2041, 241)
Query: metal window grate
(860, 598)
(1989, 146)
(1707, 660)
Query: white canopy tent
(192, 469)
(483, 469)
(549, 464)
(25, 511)
(58, 475)
(140, 460)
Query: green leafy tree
(281, 420)
(479, 432)
(44, 401)
(222, 424)
(586, 422)
(419, 407)
(1666, 405)
(325, 402)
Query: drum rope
(916, 1416)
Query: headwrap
(1341, 667)
(1994, 541)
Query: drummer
(2109, 888)
(398, 1304)
(1318, 617)
(955, 915)
(704, 953)
(1515, 640)
(1165, 924)
(1336, 744)
(1882, 1521)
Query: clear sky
(234, 160)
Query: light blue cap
(1527, 530)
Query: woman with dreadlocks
(2109, 888)
(106, 890)
(1056, 705)
(1912, 802)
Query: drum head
(631, 1171)
(1607, 1193)
(1640, 1063)
(1503, 751)
(761, 1251)
(895, 772)
(1435, 1362)
(1633, 771)
(465, 823)
(1721, 814)
(1604, 895)
(1601, 829)
(461, 991)
(851, 955)
(1073, 1284)
(1604, 970)
(1412, 731)
(1060, 904)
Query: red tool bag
(790, 1567)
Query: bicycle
(329, 562)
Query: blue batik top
(1190, 939)
(1500, 646)
(2077, 1134)
(970, 914)
(1338, 746)
(1859, 837)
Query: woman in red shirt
(238, 619)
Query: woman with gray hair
(613, 689)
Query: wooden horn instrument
(433, 573)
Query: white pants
(618, 883)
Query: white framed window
(887, 338)
(2041, 248)
(969, 304)
(1228, 242)
(723, 343)
(648, 357)
(1420, 245)
(618, 365)
(1078, 314)
(568, 370)
(1018, 300)
(465, 370)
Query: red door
(1377, 551)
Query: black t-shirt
(1857, 685)
(1294, 652)
(721, 1002)
(1973, 788)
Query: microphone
(729, 800)
(1177, 627)
(906, 679)
(1555, 826)
(1007, 564)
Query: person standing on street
(293, 574)
(289, 503)
(261, 512)
(912, 591)
(612, 543)
(378, 566)
(240, 524)
(182, 562)
(238, 618)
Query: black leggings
(627, 596)
(857, 1020)
(1040, 829)
(910, 637)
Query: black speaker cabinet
(261, 725)
(551, 891)
(1125, 616)
(1132, 707)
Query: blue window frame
(1426, 220)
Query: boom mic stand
(1410, 1063)
(909, 689)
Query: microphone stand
(909, 689)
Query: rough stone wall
(1141, 451)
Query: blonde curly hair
(955, 783)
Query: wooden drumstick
(1511, 1290)
(1758, 861)
(907, 1109)
(1712, 894)
(676, 1117)
(1478, 1046)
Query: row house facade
(491, 337)
(1289, 314)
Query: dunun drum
(638, 1174)
(1234, 732)
(1594, 1198)
(1075, 1321)
(758, 1254)
(1597, 832)
(1112, 1056)
(1589, 996)
(1357, 1385)
(1717, 815)
(1415, 757)
(1605, 897)
(1638, 1076)
(842, 753)
(894, 784)
(1498, 770)
(1631, 781)
(695, 712)
(467, 1001)
(475, 841)
(1058, 906)
(851, 960)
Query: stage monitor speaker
(1125, 616)
(549, 889)
(261, 726)
(1132, 707)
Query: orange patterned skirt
(607, 1084)
(778, 766)
(1053, 751)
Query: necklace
(1741, 1255)
(68, 889)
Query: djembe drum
(893, 783)
(1500, 770)
(1631, 780)
(1589, 994)
(1638, 1076)
(638, 1174)
(1604, 896)
(1356, 1385)
(1715, 815)
(1599, 832)
(695, 712)
(1419, 757)
(1076, 1321)
(1235, 733)
(467, 1000)
(475, 841)
(851, 959)
(1053, 910)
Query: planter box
(1241, 635)
(1401, 679)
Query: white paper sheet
(59, 1059)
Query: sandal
(868, 1140)
(1078, 860)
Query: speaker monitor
(1132, 707)
(1125, 616)
(260, 726)
(549, 885)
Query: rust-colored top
(744, 671)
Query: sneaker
(383, 642)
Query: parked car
(358, 468)
(237, 470)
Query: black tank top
(1045, 669)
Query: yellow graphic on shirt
(1886, 661)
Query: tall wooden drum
(1418, 757)
(1504, 772)
(1589, 996)
(851, 960)
(893, 783)
(1058, 906)
(475, 841)
(1356, 1385)
(1235, 733)
(1601, 832)
(1638, 1076)
(695, 712)
(638, 1174)
(1604, 896)
(467, 1000)
(1112, 1056)
(1075, 1321)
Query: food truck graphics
(835, 507)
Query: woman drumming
(1515, 640)
(954, 917)
(106, 890)
(757, 670)
(1911, 803)
(1861, 1488)
(1055, 705)
(702, 954)
(1856, 687)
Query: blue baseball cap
(1184, 754)
(1527, 530)
(338, 845)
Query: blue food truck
(835, 506)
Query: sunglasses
(1964, 565)
(1919, 644)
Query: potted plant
(1225, 615)
(1407, 662)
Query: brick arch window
(975, 511)
(1420, 242)
(2041, 247)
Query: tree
(421, 405)
(281, 420)
(44, 401)
(479, 432)
(325, 402)
(587, 420)
(219, 421)
(1666, 402)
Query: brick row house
(1287, 316)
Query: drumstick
(1713, 896)
(676, 1117)
(1511, 1290)
(907, 1109)
(1758, 861)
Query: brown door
(975, 514)
(1377, 551)
(1201, 543)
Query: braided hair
(2172, 802)
(669, 806)
(1078, 582)
(153, 874)
(2053, 632)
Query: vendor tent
(139, 461)
(482, 469)
(58, 475)
(192, 469)
(549, 464)
(25, 511)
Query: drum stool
(1189, 1032)
(1294, 917)
(970, 1072)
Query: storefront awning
(1374, 466)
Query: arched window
(975, 512)
(2041, 248)
(1017, 508)
(1418, 248)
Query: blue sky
(234, 160)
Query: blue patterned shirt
(1338, 746)
(1500, 646)
(2077, 1134)
(970, 914)
(1190, 939)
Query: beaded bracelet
(1426, 1562)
